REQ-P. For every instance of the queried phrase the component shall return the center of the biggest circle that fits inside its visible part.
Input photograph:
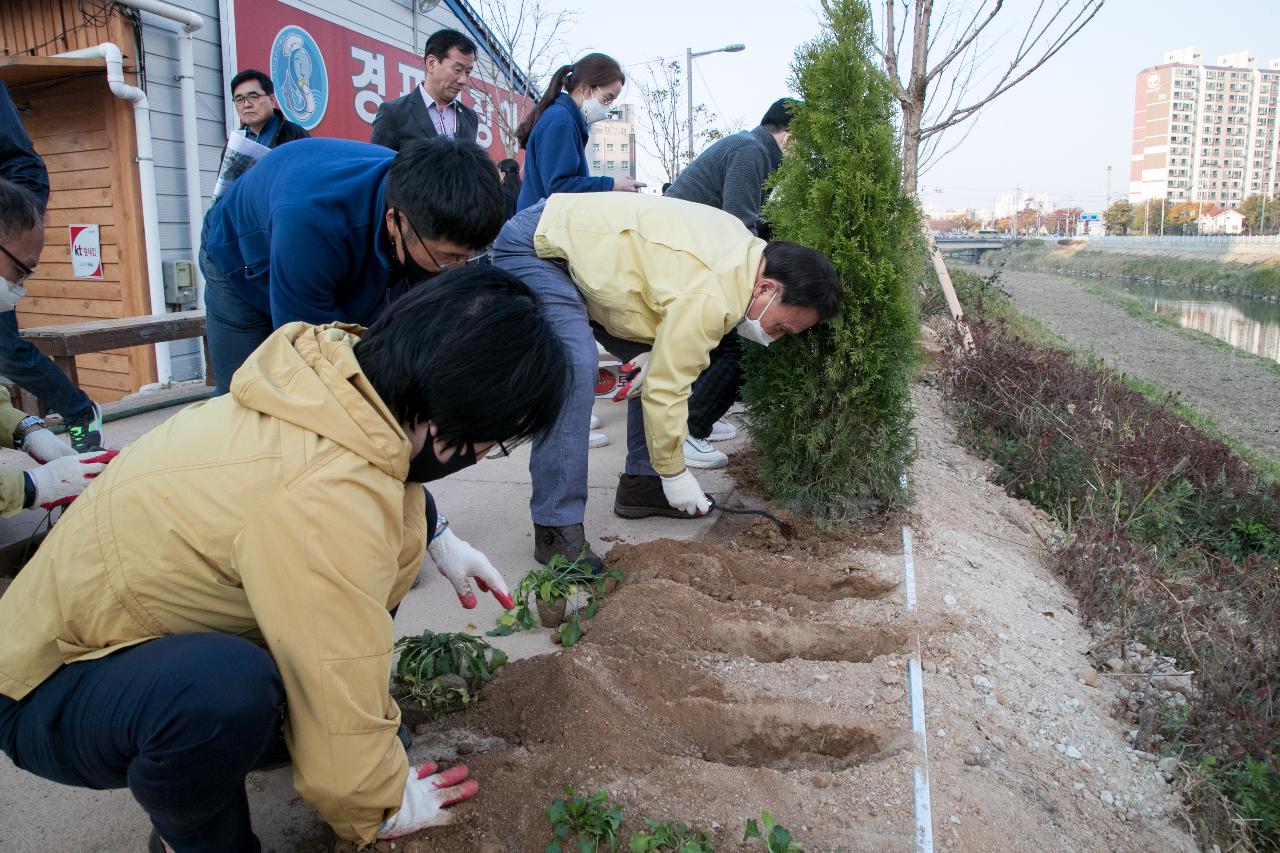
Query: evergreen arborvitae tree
(829, 410)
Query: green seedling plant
(669, 837)
(775, 838)
(587, 824)
(444, 672)
(558, 579)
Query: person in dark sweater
(254, 97)
(554, 134)
(510, 172)
(730, 175)
(329, 230)
(432, 109)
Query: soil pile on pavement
(753, 671)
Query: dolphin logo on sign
(300, 76)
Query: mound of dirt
(757, 670)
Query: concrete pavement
(487, 505)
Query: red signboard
(331, 79)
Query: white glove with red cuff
(634, 369)
(59, 482)
(459, 562)
(426, 796)
(683, 492)
(43, 446)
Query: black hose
(782, 525)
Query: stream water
(1250, 325)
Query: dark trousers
(234, 327)
(179, 720)
(31, 370)
(716, 388)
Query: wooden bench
(64, 342)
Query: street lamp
(689, 55)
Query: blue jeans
(558, 465)
(31, 370)
(234, 327)
(179, 720)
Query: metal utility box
(180, 283)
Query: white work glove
(59, 482)
(426, 796)
(459, 562)
(684, 493)
(634, 370)
(43, 446)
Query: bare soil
(752, 672)
(1240, 395)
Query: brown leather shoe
(641, 495)
(569, 541)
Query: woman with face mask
(554, 134)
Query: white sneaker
(595, 421)
(599, 439)
(722, 430)
(698, 453)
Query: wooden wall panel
(86, 137)
(46, 27)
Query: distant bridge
(976, 247)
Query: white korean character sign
(86, 251)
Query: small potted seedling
(584, 824)
(551, 587)
(669, 837)
(440, 673)
(775, 838)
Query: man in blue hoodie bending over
(329, 230)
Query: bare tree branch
(1007, 81)
(531, 35)
(664, 132)
(963, 43)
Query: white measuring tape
(915, 680)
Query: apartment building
(1205, 133)
(612, 145)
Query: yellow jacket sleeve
(692, 326)
(318, 568)
(12, 488)
(9, 418)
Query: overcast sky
(1055, 133)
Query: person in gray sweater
(730, 175)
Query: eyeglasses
(248, 98)
(454, 264)
(25, 270)
(503, 449)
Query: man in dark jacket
(730, 175)
(328, 230)
(432, 109)
(254, 96)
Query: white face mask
(594, 111)
(752, 330)
(10, 294)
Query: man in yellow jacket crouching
(229, 577)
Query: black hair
(778, 117)
(442, 41)
(448, 189)
(20, 210)
(471, 351)
(807, 277)
(666, 186)
(594, 69)
(510, 172)
(253, 74)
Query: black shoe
(569, 542)
(641, 495)
(86, 437)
